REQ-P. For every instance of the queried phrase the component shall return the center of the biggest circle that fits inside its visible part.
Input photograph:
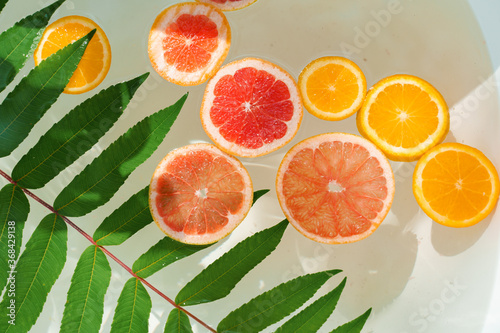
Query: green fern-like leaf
(133, 309)
(218, 279)
(14, 209)
(18, 42)
(354, 326)
(130, 217)
(100, 180)
(315, 315)
(84, 308)
(178, 322)
(275, 304)
(35, 94)
(37, 270)
(74, 134)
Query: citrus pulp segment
(251, 107)
(229, 4)
(188, 42)
(96, 60)
(199, 194)
(404, 116)
(335, 188)
(332, 88)
(456, 185)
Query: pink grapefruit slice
(188, 42)
(251, 107)
(228, 5)
(335, 188)
(199, 194)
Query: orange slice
(456, 185)
(335, 188)
(251, 107)
(229, 4)
(199, 195)
(332, 88)
(188, 42)
(96, 60)
(404, 116)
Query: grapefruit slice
(335, 188)
(251, 107)
(228, 5)
(188, 42)
(199, 195)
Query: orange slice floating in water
(229, 4)
(96, 60)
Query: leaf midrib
(65, 142)
(130, 220)
(114, 168)
(17, 46)
(163, 257)
(38, 268)
(39, 91)
(8, 213)
(88, 289)
(133, 305)
(232, 268)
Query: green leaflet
(354, 326)
(85, 305)
(275, 304)
(100, 180)
(2, 4)
(36, 93)
(133, 309)
(162, 254)
(219, 278)
(167, 250)
(124, 222)
(37, 270)
(14, 209)
(177, 322)
(315, 315)
(18, 42)
(74, 134)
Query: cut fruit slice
(456, 185)
(332, 88)
(229, 4)
(188, 42)
(335, 188)
(96, 60)
(199, 195)
(404, 116)
(251, 107)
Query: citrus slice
(188, 42)
(456, 185)
(251, 107)
(335, 188)
(96, 60)
(199, 195)
(332, 88)
(229, 4)
(404, 116)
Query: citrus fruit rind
(199, 194)
(332, 88)
(251, 107)
(229, 5)
(404, 116)
(188, 42)
(96, 60)
(456, 185)
(335, 188)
